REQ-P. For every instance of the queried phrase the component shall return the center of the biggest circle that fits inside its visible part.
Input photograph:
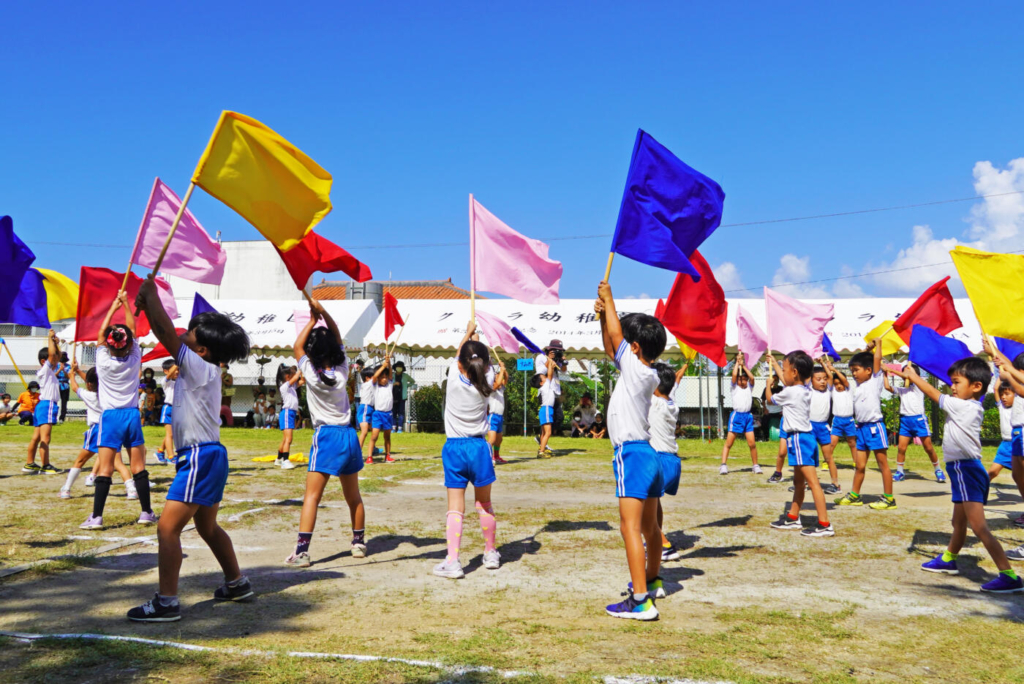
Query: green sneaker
(655, 587)
(31, 468)
(849, 499)
(883, 504)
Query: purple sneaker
(93, 522)
(147, 518)
(1004, 585)
(1019, 522)
(938, 565)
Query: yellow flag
(689, 353)
(891, 343)
(271, 183)
(994, 284)
(61, 295)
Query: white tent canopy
(271, 324)
(435, 327)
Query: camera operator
(555, 351)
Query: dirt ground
(747, 603)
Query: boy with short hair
(913, 423)
(801, 446)
(1013, 375)
(202, 468)
(634, 343)
(843, 425)
(1005, 400)
(364, 417)
(383, 402)
(167, 412)
(740, 420)
(663, 416)
(961, 448)
(866, 369)
(547, 391)
(47, 411)
(6, 408)
(821, 406)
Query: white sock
(129, 485)
(72, 476)
(899, 467)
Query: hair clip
(474, 356)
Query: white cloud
(794, 269)
(728, 276)
(848, 287)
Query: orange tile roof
(401, 289)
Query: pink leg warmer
(453, 534)
(488, 524)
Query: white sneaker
(298, 560)
(358, 550)
(90, 481)
(65, 493)
(449, 569)
(757, 470)
(288, 465)
(492, 560)
(133, 493)
(723, 469)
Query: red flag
(696, 311)
(160, 351)
(391, 315)
(317, 253)
(659, 309)
(97, 288)
(934, 309)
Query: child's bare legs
(175, 516)
(286, 441)
(83, 457)
(652, 535)
(545, 435)
(826, 451)
(661, 526)
(350, 488)
(1018, 474)
(973, 513)
(752, 444)
(994, 471)
(387, 443)
(808, 475)
(168, 444)
(860, 466)
(901, 450)
(638, 521)
(729, 439)
(882, 457)
(121, 468)
(373, 441)
(315, 484)
(40, 441)
(364, 429)
(495, 439)
(781, 458)
(929, 449)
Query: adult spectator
(7, 409)
(400, 394)
(227, 386)
(64, 383)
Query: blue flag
(15, 258)
(1010, 348)
(826, 346)
(935, 353)
(29, 307)
(525, 341)
(667, 211)
(200, 305)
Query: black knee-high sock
(99, 497)
(282, 455)
(142, 487)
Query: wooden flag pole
(607, 272)
(170, 234)
(387, 353)
(472, 261)
(16, 369)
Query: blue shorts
(546, 414)
(1017, 441)
(467, 460)
(286, 419)
(381, 420)
(914, 426)
(671, 469)
(202, 472)
(802, 449)
(637, 469)
(968, 481)
(741, 423)
(46, 413)
(843, 426)
(1004, 454)
(821, 433)
(91, 439)
(364, 414)
(166, 414)
(783, 435)
(496, 422)
(335, 451)
(121, 428)
(872, 437)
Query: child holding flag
(546, 385)
(167, 411)
(496, 412)
(47, 411)
(961, 448)
(383, 402)
(202, 464)
(634, 343)
(1005, 400)
(287, 380)
(821, 406)
(740, 420)
(364, 414)
(866, 369)
(913, 423)
(843, 426)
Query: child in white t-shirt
(663, 418)
(383, 402)
(913, 423)
(47, 411)
(741, 423)
(496, 412)
(546, 388)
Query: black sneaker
(786, 523)
(831, 488)
(239, 592)
(819, 531)
(775, 478)
(31, 468)
(50, 470)
(807, 488)
(154, 611)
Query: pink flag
(497, 332)
(192, 255)
(301, 318)
(507, 263)
(794, 325)
(751, 339)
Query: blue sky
(796, 109)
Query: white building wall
(254, 270)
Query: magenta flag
(751, 340)
(507, 263)
(497, 332)
(192, 255)
(301, 318)
(795, 325)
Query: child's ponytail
(476, 361)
